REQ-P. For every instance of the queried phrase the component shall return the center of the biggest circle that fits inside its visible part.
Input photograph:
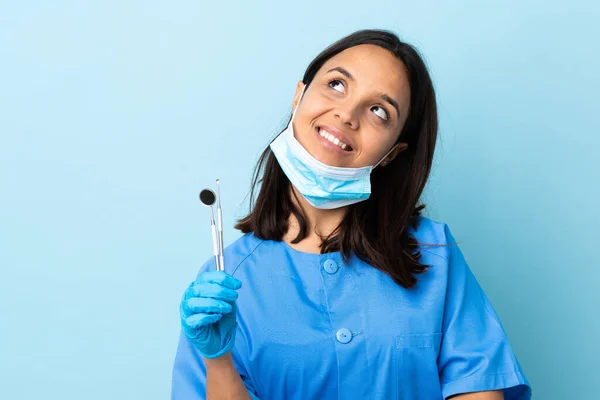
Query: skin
(489, 395)
(353, 106)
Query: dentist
(339, 287)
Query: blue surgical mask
(323, 186)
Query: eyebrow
(382, 96)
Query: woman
(320, 298)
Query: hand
(207, 312)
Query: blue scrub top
(312, 327)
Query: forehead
(374, 68)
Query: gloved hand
(207, 312)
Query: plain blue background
(115, 114)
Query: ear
(299, 88)
(400, 147)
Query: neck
(320, 222)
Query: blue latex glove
(207, 312)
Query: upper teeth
(332, 138)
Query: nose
(347, 114)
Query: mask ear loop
(293, 114)
(387, 154)
(296, 108)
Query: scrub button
(343, 336)
(330, 266)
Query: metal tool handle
(220, 219)
(215, 247)
(222, 261)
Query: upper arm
(189, 373)
(475, 355)
(487, 395)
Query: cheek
(307, 113)
(373, 150)
(314, 107)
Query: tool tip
(207, 197)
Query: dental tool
(207, 197)
(220, 218)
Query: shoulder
(439, 249)
(429, 231)
(241, 252)
(235, 254)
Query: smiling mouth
(326, 135)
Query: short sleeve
(189, 371)
(475, 354)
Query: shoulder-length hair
(374, 229)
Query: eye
(383, 113)
(336, 82)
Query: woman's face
(359, 99)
